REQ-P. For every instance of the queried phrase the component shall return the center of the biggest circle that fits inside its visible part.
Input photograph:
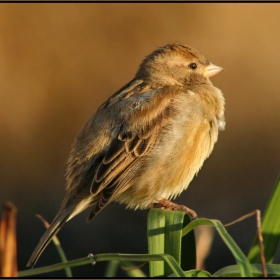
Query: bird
(143, 146)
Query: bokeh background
(59, 62)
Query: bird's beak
(212, 70)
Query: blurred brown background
(59, 62)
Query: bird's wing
(140, 121)
(111, 146)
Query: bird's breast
(183, 143)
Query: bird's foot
(168, 205)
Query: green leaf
(270, 229)
(188, 250)
(273, 270)
(156, 239)
(173, 236)
(242, 261)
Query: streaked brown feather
(114, 150)
(132, 143)
(105, 168)
(108, 191)
(109, 176)
(142, 147)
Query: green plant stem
(165, 237)
(107, 257)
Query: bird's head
(176, 64)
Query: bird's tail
(55, 226)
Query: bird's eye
(192, 66)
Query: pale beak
(212, 70)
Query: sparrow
(144, 145)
